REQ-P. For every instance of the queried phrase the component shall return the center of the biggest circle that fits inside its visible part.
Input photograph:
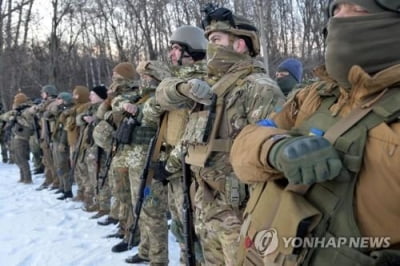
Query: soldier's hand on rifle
(88, 118)
(33, 109)
(305, 159)
(130, 108)
(200, 89)
(160, 173)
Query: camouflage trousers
(4, 150)
(36, 152)
(62, 166)
(81, 174)
(175, 205)
(21, 153)
(153, 219)
(217, 223)
(121, 189)
(48, 162)
(95, 161)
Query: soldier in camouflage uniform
(20, 124)
(103, 137)
(48, 93)
(241, 93)
(3, 144)
(60, 145)
(95, 156)
(34, 142)
(125, 90)
(188, 47)
(153, 245)
(75, 136)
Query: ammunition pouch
(123, 135)
(198, 129)
(142, 135)
(236, 192)
(271, 210)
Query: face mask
(221, 58)
(370, 41)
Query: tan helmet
(222, 19)
(191, 37)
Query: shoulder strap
(347, 122)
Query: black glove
(160, 173)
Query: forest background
(71, 42)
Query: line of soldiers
(210, 138)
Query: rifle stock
(141, 190)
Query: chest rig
(325, 209)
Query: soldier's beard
(221, 58)
(371, 42)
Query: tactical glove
(160, 173)
(200, 89)
(305, 159)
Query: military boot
(136, 259)
(107, 221)
(66, 195)
(120, 247)
(39, 170)
(60, 190)
(99, 214)
(42, 186)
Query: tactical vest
(201, 139)
(142, 134)
(205, 139)
(176, 122)
(326, 209)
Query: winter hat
(126, 70)
(20, 98)
(65, 96)
(101, 91)
(50, 90)
(293, 66)
(83, 94)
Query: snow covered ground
(36, 229)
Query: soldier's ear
(239, 45)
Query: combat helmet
(222, 19)
(191, 37)
(50, 90)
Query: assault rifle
(75, 154)
(107, 164)
(36, 128)
(188, 230)
(121, 136)
(212, 110)
(142, 190)
(12, 122)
